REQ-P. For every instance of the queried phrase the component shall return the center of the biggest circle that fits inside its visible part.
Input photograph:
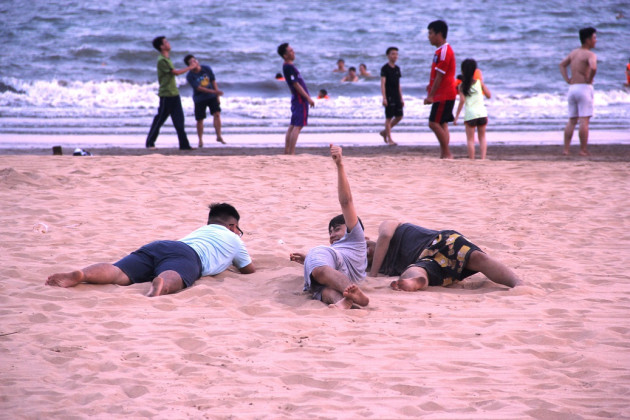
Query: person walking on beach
(423, 257)
(392, 95)
(583, 64)
(300, 98)
(205, 95)
(170, 101)
(332, 272)
(471, 93)
(441, 91)
(173, 265)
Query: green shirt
(168, 87)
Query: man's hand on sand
(298, 257)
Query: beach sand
(256, 346)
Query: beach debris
(40, 227)
(81, 152)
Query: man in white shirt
(171, 266)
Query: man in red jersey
(441, 91)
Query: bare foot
(392, 143)
(448, 156)
(584, 153)
(342, 304)
(355, 294)
(200, 144)
(65, 279)
(408, 285)
(382, 133)
(566, 153)
(220, 139)
(156, 287)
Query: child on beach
(471, 92)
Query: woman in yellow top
(471, 93)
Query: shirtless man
(583, 64)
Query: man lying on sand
(424, 257)
(331, 272)
(173, 265)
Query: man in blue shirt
(205, 95)
(171, 266)
(299, 98)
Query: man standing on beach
(173, 265)
(423, 257)
(583, 63)
(332, 272)
(392, 94)
(205, 95)
(299, 98)
(441, 91)
(170, 101)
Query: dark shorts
(299, 114)
(393, 109)
(442, 112)
(477, 122)
(146, 263)
(200, 108)
(445, 259)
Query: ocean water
(88, 67)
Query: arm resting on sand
(385, 233)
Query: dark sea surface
(89, 67)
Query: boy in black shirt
(392, 95)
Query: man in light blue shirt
(171, 266)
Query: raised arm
(343, 189)
(385, 233)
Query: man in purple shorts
(299, 98)
(171, 266)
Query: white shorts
(580, 100)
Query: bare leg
(217, 126)
(470, 140)
(387, 133)
(483, 146)
(341, 284)
(411, 280)
(101, 273)
(583, 133)
(443, 136)
(200, 132)
(291, 141)
(392, 123)
(493, 269)
(568, 134)
(166, 283)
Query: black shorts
(442, 112)
(393, 110)
(445, 259)
(477, 122)
(149, 261)
(200, 108)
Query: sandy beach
(256, 346)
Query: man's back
(581, 61)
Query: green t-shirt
(168, 87)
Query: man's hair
(339, 220)
(586, 33)
(391, 49)
(157, 43)
(364, 66)
(221, 212)
(282, 49)
(352, 69)
(187, 59)
(341, 60)
(439, 27)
